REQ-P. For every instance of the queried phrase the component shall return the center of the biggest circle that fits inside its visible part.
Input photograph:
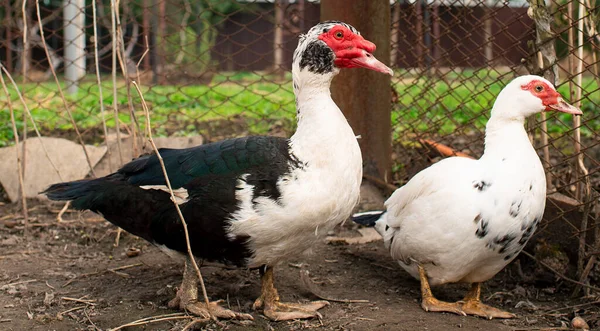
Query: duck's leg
(187, 298)
(430, 303)
(279, 311)
(472, 305)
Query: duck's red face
(551, 99)
(352, 50)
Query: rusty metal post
(363, 95)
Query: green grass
(465, 101)
(424, 105)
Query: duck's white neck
(505, 132)
(308, 88)
(314, 105)
(323, 132)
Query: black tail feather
(367, 218)
(68, 190)
(124, 205)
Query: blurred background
(221, 68)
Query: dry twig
(99, 82)
(90, 320)
(103, 271)
(60, 315)
(59, 218)
(80, 300)
(60, 91)
(26, 109)
(22, 282)
(310, 286)
(154, 319)
(575, 306)
(19, 165)
(592, 260)
(173, 199)
(121, 56)
(114, 78)
(560, 274)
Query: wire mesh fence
(220, 68)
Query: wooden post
(418, 6)
(395, 32)
(146, 28)
(363, 95)
(435, 31)
(278, 37)
(488, 36)
(9, 38)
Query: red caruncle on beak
(352, 50)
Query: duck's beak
(562, 106)
(368, 61)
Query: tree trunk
(395, 33)
(8, 24)
(363, 95)
(488, 37)
(146, 27)
(419, 32)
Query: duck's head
(528, 95)
(332, 45)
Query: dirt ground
(61, 279)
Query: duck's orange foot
(476, 308)
(282, 311)
(433, 304)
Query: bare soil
(60, 279)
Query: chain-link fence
(220, 68)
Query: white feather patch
(181, 194)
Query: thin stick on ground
(592, 260)
(103, 271)
(59, 218)
(60, 315)
(26, 109)
(193, 323)
(582, 192)
(87, 302)
(118, 237)
(154, 319)
(560, 274)
(574, 306)
(114, 79)
(99, 83)
(310, 286)
(60, 91)
(90, 320)
(19, 165)
(173, 199)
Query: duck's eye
(339, 35)
(539, 88)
